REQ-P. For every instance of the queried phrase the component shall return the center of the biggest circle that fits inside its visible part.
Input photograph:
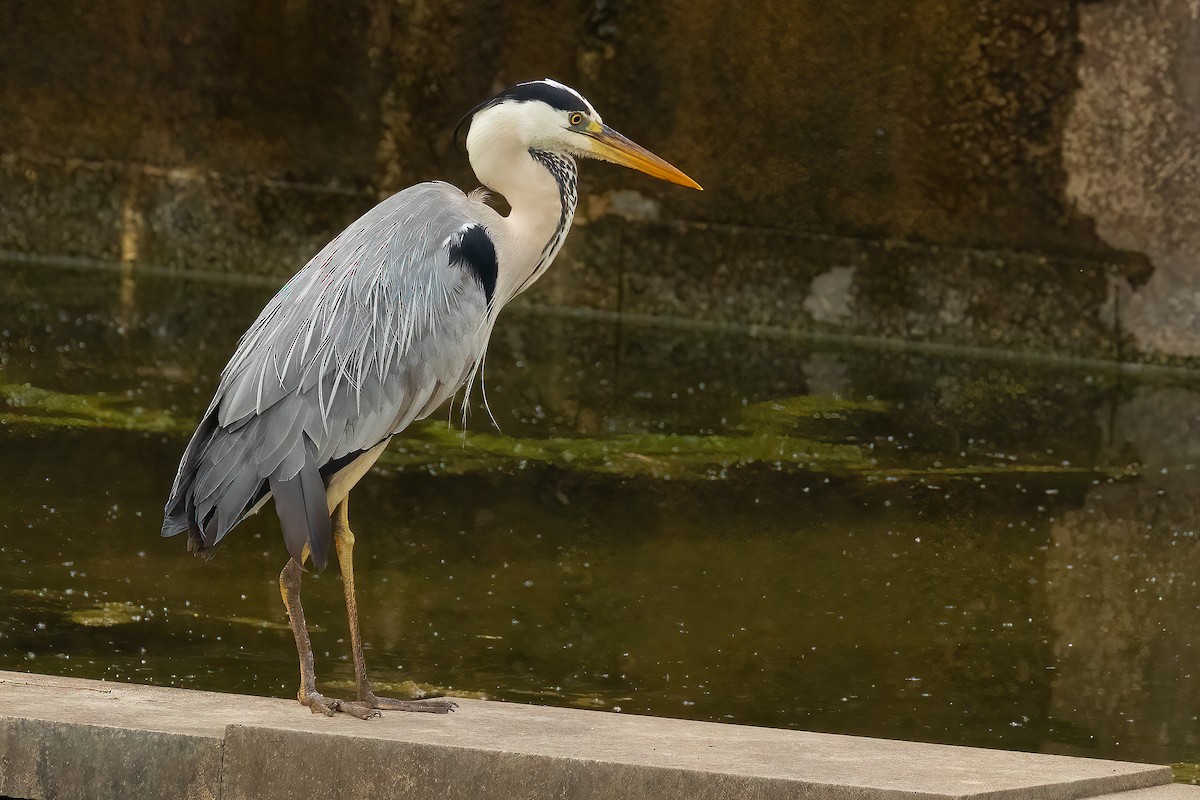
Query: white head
(549, 116)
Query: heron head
(550, 116)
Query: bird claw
(317, 703)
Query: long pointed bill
(612, 146)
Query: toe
(360, 710)
(434, 706)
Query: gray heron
(387, 322)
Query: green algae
(788, 411)
(106, 615)
(433, 445)
(788, 433)
(1186, 772)
(265, 624)
(760, 436)
(651, 455)
(981, 470)
(34, 406)
(44, 594)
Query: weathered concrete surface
(1132, 154)
(996, 299)
(62, 737)
(67, 759)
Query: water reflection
(1122, 576)
(676, 523)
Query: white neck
(502, 161)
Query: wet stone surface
(684, 524)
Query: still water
(698, 525)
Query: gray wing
(377, 330)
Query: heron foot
(433, 705)
(320, 704)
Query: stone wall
(1132, 154)
(1001, 173)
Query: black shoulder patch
(474, 251)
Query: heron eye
(575, 118)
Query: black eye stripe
(552, 96)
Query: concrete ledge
(70, 738)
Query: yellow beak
(612, 146)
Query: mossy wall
(862, 161)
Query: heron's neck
(566, 179)
(541, 189)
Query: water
(698, 525)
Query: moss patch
(266, 624)
(30, 405)
(1186, 773)
(789, 411)
(106, 615)
(793, 433)
(661, 456)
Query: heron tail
(303, 510)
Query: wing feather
(377, 330)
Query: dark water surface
(697, 525)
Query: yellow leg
(343, 543)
